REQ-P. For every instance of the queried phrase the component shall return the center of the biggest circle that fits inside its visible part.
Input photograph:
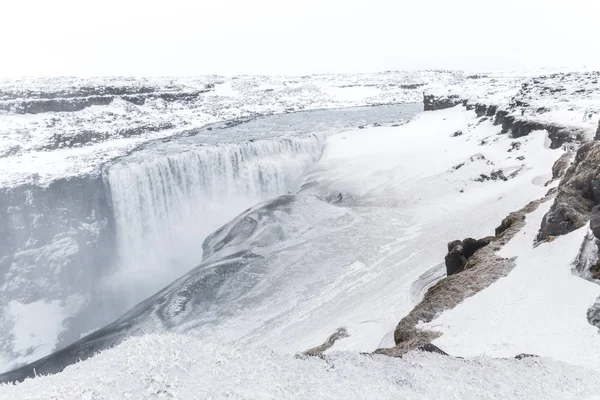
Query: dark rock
(455, 259)
(361, 127)
(560, 166)
(459, 252)
(470, 245)
(431, 348)
(514, 146)
(595, 221)
(497, 175)
(578, 193)
(525, 355)
(500, 116)
(432, 103)
(457, 133)
(506, 223)
(491, 111)
(480, 110)
(597, 137)
(412, 86)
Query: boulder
(455, 259)
(459, 252)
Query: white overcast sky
(185, 37)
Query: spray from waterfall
(165, 206)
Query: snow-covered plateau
(250, 218)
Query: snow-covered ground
(355, 243)
(181, 367)
(40, 147)
(540, 308)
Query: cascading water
(165, 206)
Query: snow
(357, 245)
(352, 243)
(539, 308)
(121, 126)
(181, 367)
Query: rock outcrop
(433, 103)
(483, 268)
(459, 252)
(558, 134)
(578, 193)
(319, 350)
(561, 165)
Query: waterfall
(165, 206)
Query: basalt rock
(578, 193)
(431, 348)
(432, 103)
(558, 134)
(595, 221)
(480, 110)
(459, 253)
(560, 166)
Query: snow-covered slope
(57, 127)
(348, 247)
(181, 367)
(356, 243)
(109, 186)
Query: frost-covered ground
(106, 118)
(180, 367)
(563, 97)
(356, 242)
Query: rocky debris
(597, 137)
(431, 348)
(457, 133)
(558, 134)
(433, 103)
(79, 99)
(578, 193)
(459, 253)
(525, 355)
(83, 137)
(514, 146)
(319, 350)
(483, 268)
(412, 85)
(497, 175)
(560, 166)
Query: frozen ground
(347, 246)
(540, 308)
(355, 243)
(108, 117)
(180, 367)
